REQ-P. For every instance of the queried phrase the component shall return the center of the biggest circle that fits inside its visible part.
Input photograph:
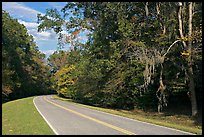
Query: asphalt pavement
(67, 118)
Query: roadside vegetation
(20, 117)
(144, 55)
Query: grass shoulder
(180, 122)
(20, 117)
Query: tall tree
(188, 54)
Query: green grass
(181, 122)
(20, 117)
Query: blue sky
(26, 13)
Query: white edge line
(146, 122)
(137, 120)
(45, 118)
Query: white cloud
(48, 52)
(21, 11)
(44, 35)
(29, 25)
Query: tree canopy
(23, 67)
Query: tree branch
(170, 47)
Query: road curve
(66, 118)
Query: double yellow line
(93, 119)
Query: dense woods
(23, 69)
(144, 55)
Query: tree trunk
(190, 68)
(188, 47)
(180, 24)
(146, 9)
(157, 8)
(194, 109)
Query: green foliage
(64, 80)
(23, 68)
(109, 68)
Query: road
(66, 118)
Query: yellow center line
(93, 119)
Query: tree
(24, 70)
(188, 53)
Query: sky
(26, 13)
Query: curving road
(66, 118)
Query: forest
(139, 55)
